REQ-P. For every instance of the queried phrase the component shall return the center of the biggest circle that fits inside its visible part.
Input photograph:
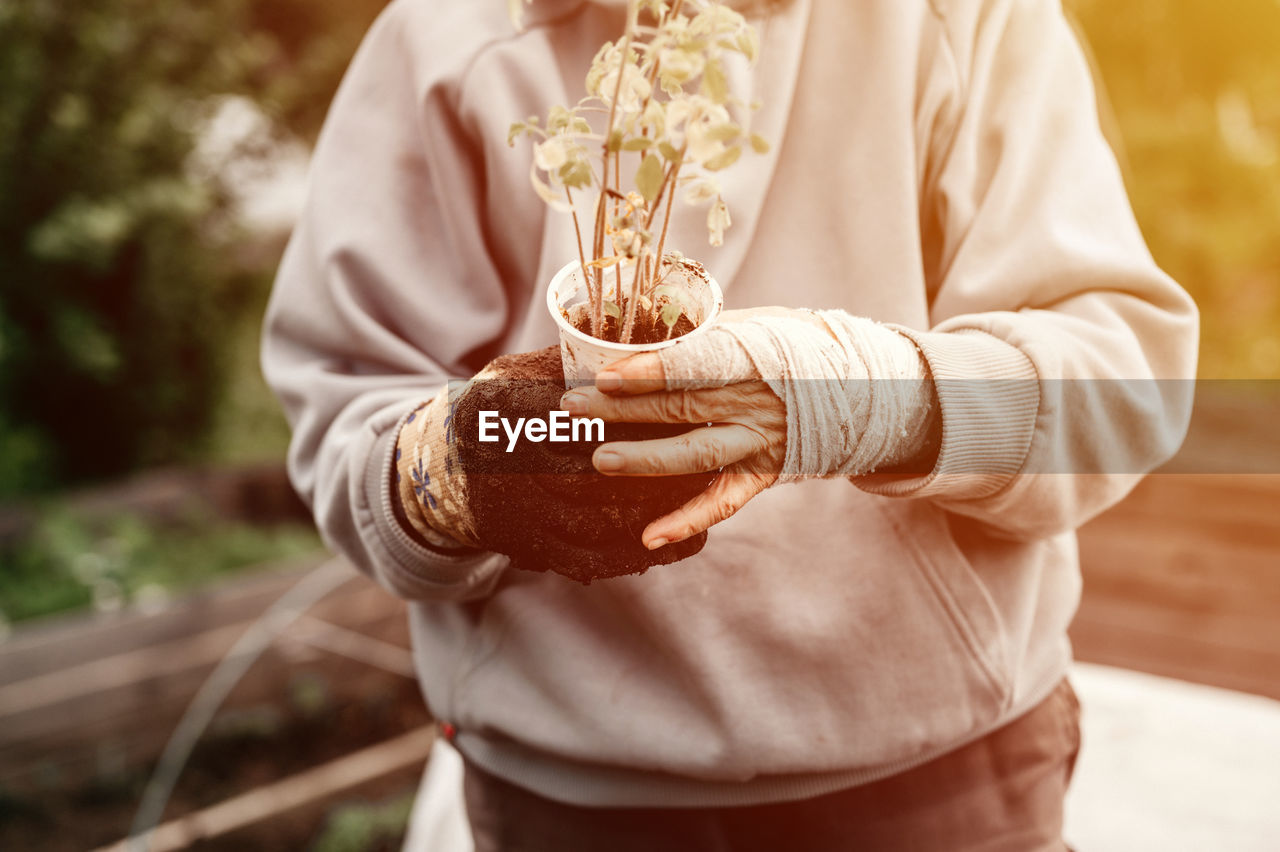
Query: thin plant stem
(657, 203)
(633, 300)
(582, 258)
(617, 89)
(671, 202)
(597, 250)
(670, 177)
(577, 231)
(617, 289)
(670, 268)
(633, 11)
(653, 72)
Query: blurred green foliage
(366, 826)
(1195, 89)
(70, 561)
(122, 271)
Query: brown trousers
(1002, 793)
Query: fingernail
(608, 381)
(654, 544)
(607, 460)
(574, 403)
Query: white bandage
(857, 394)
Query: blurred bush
(1196, 93)
(366, 826)
(122, 269)
(70, 561)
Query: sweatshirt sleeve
(384, 294)
(1057, 345)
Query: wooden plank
(62, 719)
(1218, 507)
(406, 752)
(1232, 429)
(114, 712)
(132, 733)
(1182, 579)
(1203, 648)
(133, 738)
(136, 669)
(61, 642)
(1182, 572)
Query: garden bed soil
(244, 749)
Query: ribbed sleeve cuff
(989, 396)
(415, 569)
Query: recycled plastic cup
(582, 355)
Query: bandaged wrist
(857, 394)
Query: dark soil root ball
(543, 504)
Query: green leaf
(576, 174)
(605, 262)
(615, 142)
(671, 312)
(724, 159)
(759, 144)
(612, 309)
(668, 152)
(558, 119)
(655, 117)
(724, 132)
(649, 178)
(638, 144)
(715, 83)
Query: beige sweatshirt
(936, 165)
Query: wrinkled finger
(729, 493)
(703, 406)
(702, 450)
(633, 375)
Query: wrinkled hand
(743, 434)
(839, 396)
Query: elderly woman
(869, 651)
